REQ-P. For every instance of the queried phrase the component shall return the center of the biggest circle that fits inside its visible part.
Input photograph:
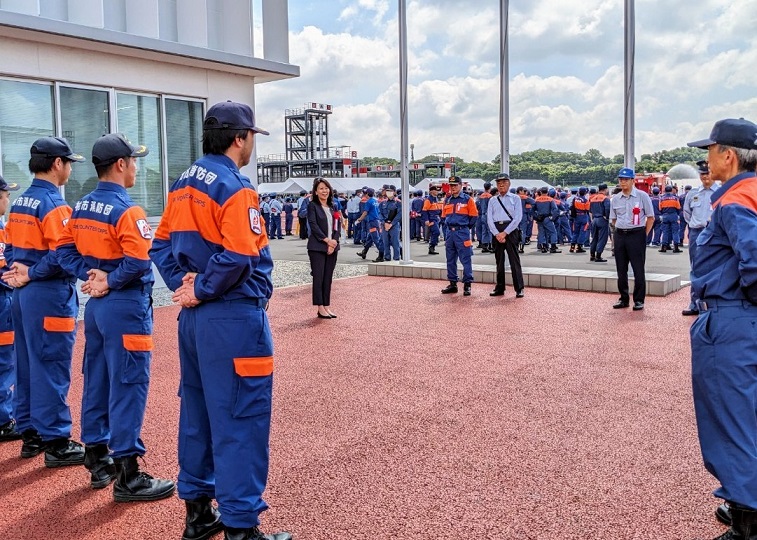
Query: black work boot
(380, 258)
(100, 465)
(572, 248)
(451, 288)
(362, 253)
(676, 249)
(592, 257)
(599, 258)
(32, 444)
(253, 533)
(743, 525)
(580, 249)
(8, 431)
(723, 513)
(133, 485)
(63, 452)
(466, 289)
(203, 520)
(432, 251)
(663, 248)
(554, 249)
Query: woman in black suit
(323, 244)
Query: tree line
(561, 168)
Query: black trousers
(322, 267)
(631, 247)
(303, 227)
(511, 247)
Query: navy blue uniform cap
(114, 146)
(668, 189)
(738, 133)
(53, 147)
(231, 115)
(704, 167)
(5, 186)
(455, 181)
(600, 187)
(370, 192)
(502, 176)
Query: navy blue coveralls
(670, 208)
(459, 214)
(432, 213)
(527, 221)
(546, 212)
(44, 313)
(7, 357)
(212, 226)
(109, 232)
(655, 234)
(724, 340)
(416, 221)
(599, 207)
(391, 214)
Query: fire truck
(646, 181)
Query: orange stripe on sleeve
(134, 233)
(261, 366)
(241, 224)
(472, 210)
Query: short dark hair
(42, 164)
(317, 182)
(217, 141)
(102, 170)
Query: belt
(712, 304)
(257, 302)
(630, 231)
(458, 228)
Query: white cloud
(566, 72)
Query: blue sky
(695, 64)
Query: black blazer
(319, 228)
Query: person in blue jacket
(372, 219)
(8, 431)
(459, 212)
(724, 336)
(217, 260)
(390, 211)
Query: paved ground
(420, 416)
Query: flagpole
(630, 67)
(504, 94)
(405, 179)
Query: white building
(147, 68)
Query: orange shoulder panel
(744, 195)
(188, 214)
(93, 238)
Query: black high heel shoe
(323, 316)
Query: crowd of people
(212, 251)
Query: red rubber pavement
(421, 416)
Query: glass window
(139, 120)
(84, 118)
(183, 135)
(26, 114)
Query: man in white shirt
(503, 218)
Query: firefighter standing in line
(599, 207)
(670, 208)
(459, 213)
(431, 213)
(105, 244)
(8, 431)
(45, 306)
(217, 260)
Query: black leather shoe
(690, 312)
(253, 533)
(203, 520)
(466, 289)
(100, 465)
(723, 514)
(638, 306)
(520, 294)
(32, 444)
(497, 292)
(8, 432)
(134, 485)
(63, 452)
(620, 304)
(379, 259)
(450, 289)
(432, 251)
(599, 259)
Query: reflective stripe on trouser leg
(236, 409)
(459, 245)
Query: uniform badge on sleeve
(144, 228)
(255, 221)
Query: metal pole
(402, 9)
(504, 95)
(630, 50)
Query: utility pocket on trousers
(137, 357)
(253, 386)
